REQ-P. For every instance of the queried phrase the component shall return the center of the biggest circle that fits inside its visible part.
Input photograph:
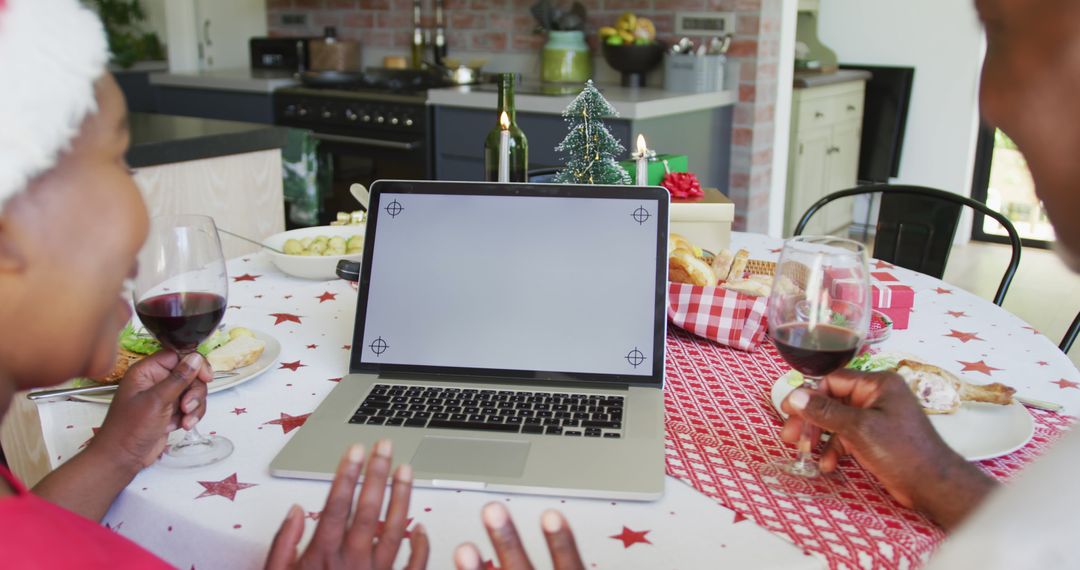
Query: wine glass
(819, 316)
(180, 296)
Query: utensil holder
(694, 73)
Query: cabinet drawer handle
(833, 150)
(819, 115)
(851, 108)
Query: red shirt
(39, 534)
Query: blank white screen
(513, 283)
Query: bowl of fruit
(631, 48)
(313, 253)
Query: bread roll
(748, 287)
(685, 267)
(676, 241)
(738, 265)
(124, 359)
(721, 264)
(236, 353)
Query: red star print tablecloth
(720, 425)
(225, 515)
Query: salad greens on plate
(865, 362)
(142, 342)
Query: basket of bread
(720, 296)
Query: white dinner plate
(266, 360)
(977, 431)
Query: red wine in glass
(180, 295)
(181, 320)
(816, 332)
(815, 351)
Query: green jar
(565, 58)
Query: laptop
(508, 337)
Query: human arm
(145, 409)
(356, 542)
(508, 548)
(875, 418)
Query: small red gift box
(889, 296)
(721, 315)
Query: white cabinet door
(811, 172)
(843, 173)
(224, 28)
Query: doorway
(1003, 182)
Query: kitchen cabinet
(703, 135)
(231, 171)
(826, 128)
(212, 34)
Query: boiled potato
(292, 247)
(237, 332)
(325, 246)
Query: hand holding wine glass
(819, 315)
(180, 296)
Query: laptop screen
(522, 281)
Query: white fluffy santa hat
(51, 51)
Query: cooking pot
(458, 73)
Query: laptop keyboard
(509, 411)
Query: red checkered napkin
(729, 318)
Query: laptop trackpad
(450, 455)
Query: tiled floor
(1044, 292)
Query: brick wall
(506, 26)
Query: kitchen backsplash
(501, 31)
(481, 25)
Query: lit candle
(504, 148)
(642, 157)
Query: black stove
(370, 126)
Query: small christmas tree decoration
(589, 147)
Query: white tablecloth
(224, 515)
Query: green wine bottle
(517, 143)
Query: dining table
(721, 425)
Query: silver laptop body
(543, 306)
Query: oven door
(355, 158)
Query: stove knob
(380, 119)
(327, 113)
(302, 111)
(290, 110)
(366, 118)
(408, 122)
(350, 114)
(394, 120)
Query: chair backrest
(1070, 335)
(916, 227)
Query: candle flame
(504, 121)
(641, 148)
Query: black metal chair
(1070, 335)
(916, 226)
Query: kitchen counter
(805, 79)
(245, 80)
(631, 103)
(163, 139)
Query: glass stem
(192, 436)
(804, 462)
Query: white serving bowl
(311, 267)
